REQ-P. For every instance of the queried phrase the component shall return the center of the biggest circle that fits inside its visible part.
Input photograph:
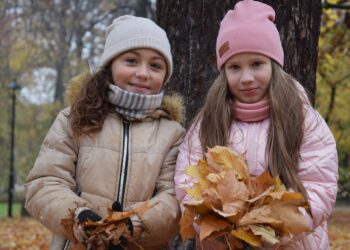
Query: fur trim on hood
(172, 107)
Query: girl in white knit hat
(116, 145)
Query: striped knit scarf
(133, 106)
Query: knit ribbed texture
(130, 32)
(252, 112)
(133, 106)
(249, 27)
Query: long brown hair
(286, 127)
(91, 106)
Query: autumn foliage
(236, 210)
(108, 231)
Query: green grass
(16, 209)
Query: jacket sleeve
(160, 224)
(318, 167)
(50, 185)
(190, 152)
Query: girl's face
(249, 76)
(139, 71)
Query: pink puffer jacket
(318, 168)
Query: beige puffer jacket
(132, 162)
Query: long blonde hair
(286, 127)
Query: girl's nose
(247, 76)
(142, 71)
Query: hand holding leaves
(83, 215)
(112, 232)
(235, 208)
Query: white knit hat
(130, 32)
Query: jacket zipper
(124, 163)
(123, 170)
(66, 244)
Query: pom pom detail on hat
(249, 27)
(130, 32)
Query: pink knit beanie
(249, 27)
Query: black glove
(88, 214)
(81, 232)
(123, 242)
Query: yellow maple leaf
(226, 159)
(197, 206)
(195, 191)
(246, 235)
(203, 167)
(214, 178)
(196, 171)
(266, 233)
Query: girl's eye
(131, 60)
(156, 66)
(257, 64)
(234, 67)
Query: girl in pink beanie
(255, 108)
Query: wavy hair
(91, 106)
(286, 127)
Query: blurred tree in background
(43, 44)
(333, 79)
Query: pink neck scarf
(252, 112)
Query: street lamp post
(13, 86)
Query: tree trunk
(59, 87)
(141, 8)
(192, 28)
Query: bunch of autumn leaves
(235, 210)
(111, 229)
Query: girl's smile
(249, 91)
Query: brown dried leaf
(260, 184)
(67, 224)
(233, 195)
(212, 197)
(117, 216)
(186, 225)
(293, 220)
(260, 215)
(210, 224)
(78, 246)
